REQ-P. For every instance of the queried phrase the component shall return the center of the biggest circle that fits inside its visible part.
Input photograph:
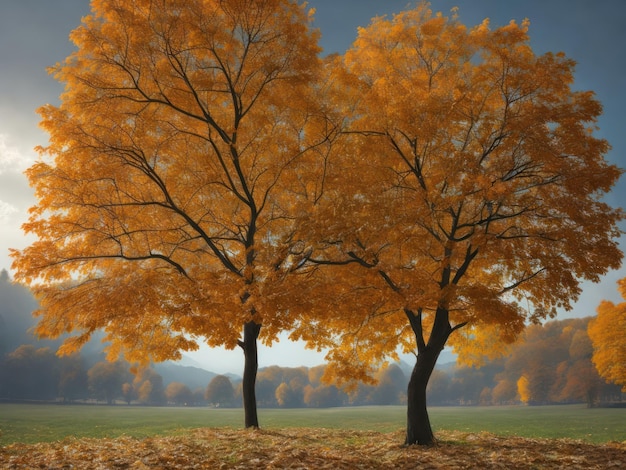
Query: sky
(34, 35)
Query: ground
(306, 448)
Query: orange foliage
(608, 335)
(523, 389)
(184, 146)
(465, 190)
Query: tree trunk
(251, 364)
(418, 430)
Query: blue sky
(34, 35)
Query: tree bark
(251, 364)
(418, 430)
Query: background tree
(582, 383)
(105, 380)
(198, 396)
(72, 378)
(30, 373)
(323, 396)
(439, 388)
(469, 189)
(390, 385)
(608, 335)
(128, 392)
(288, 397)
(220, 391)
(178, 393)
(523, 390)
(176, 157)
(504, 392)
(149, 386)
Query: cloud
(12, 160)
(6, 211)
(15, 197)
(9, 156)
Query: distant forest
(550, 364)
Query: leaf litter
(311, 448)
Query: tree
(504, 393)
(149, 386)
(185, 138)
(468, 189)
(438, 390)
(582, 383)
(178, 393)
(390, 385)
(220, 391)
(30, 373)
(288, 397)
(523, 390)
(323, 396)
(608, 335)
(105, 379)
(128, 392)
(144, 392)
(72, 378)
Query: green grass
(39, 423)
(595, 425)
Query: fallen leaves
(305, 448)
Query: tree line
(31, 373)
(550, 364)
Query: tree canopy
(181, 148)
(469, 187)
(168, 180)
(608, 335)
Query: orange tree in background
(465, 196)
(608, 336)
(165, 195)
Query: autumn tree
(288, 396)
(178, 393)
(72, 378)
(438, 390)
(149, 386)
(105, 380)
(608, 335)
(220, 391)
(390, 384)
(504, 392)
(465, 197)
(30, 373)
(523, 390)
(186, 136)
(128, 392)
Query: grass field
(46, 423)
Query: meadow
(23, 423)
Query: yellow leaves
(608, 334)
(311, 448)
(167, 182)
(434, 26)
(523, 389)
(479, 342)
(461, 150)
